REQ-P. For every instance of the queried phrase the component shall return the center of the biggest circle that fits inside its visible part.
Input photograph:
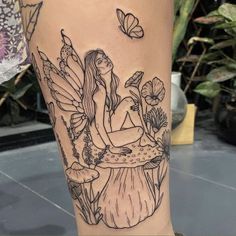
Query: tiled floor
(34, 198)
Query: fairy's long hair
(91, 81)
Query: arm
(99, 99)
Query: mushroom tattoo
(127, 198)
(87, 203)
(126, 137)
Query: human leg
(133, 46)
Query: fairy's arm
(99, 99)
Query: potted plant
(20, 120)
(220, 56)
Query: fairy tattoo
(125, 136)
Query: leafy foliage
(17, 95)
(223, 68)
(88, 156)
(208, 88)
(183, 11)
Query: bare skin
(119, 129)
(109, 126)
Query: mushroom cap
(80, 174)
(139, 157)
(154, 163)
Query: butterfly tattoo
(129, 25)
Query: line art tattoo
(129, 25)
(64, 158)
(30, 15)
(35, 66)
(51, 113)
(124, 136)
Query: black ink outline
(36, 68)
(63, 154)
(157, 119)
(51, 113)
(129, 25)
(87, 201)
(140, 165)
(30, 15)
(153, 91)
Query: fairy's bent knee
(140, 131)
(129, 101)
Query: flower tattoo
(153, 91)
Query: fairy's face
(103, 63)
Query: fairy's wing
(65, 83)
(70, 64)
(66, 96)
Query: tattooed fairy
(104, 108)
(125, 136)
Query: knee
(140, 131)
(129, 101)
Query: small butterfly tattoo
(129, 25)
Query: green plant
(219, 52)
(183, 10)
(15, 96)
(13, 90)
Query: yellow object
(184, 133)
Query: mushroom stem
(91, 196)
(126, 199)
(153, 181)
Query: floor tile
(202, 184)
(40, 169)
(23, 213)
(200, 208)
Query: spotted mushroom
(79, 174)
(127, 198)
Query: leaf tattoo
(51, 111)
(30, 18)
(129, 25)
(82, 96)
(36, 68)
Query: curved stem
(141, 115)
(195, 71)
(92, 218)
(228, 90)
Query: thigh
(124, 137)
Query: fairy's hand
(120, 150)
(135, 107)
